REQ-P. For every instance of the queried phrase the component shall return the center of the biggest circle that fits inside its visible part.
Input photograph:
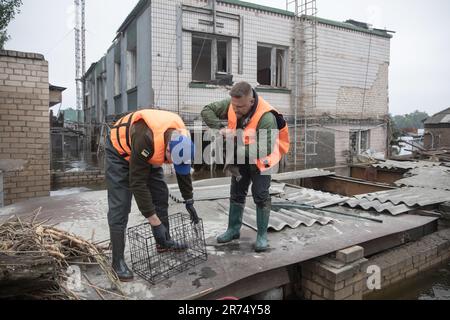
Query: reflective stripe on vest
(282, 143)
(158, 121)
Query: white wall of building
(352, 66)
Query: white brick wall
(258, 27)
(377, 139)
(352, 82)
(342, 61)
(343, 57)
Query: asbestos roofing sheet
(400, 200)
(312, 197)
(378, 206)
(433, 178)
(215, 192)
(302, 174)
(292, 218)
(411, 196)
(392, 164)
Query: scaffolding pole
(305, 65)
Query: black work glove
(164, 242)
(161, 234)
(192, 212)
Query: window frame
(131, 68)
(214, 55)
(359, 134)
(117, 78)
(273, 65)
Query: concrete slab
(85, 215)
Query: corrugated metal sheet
(216, 192)
(392, 164)
(312, 197)
(310, 173)
(399, 200)
(434, 178)
(292, 218)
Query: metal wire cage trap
(156, 267)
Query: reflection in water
(73, 162)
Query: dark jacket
(140, 169)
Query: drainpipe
(213, 8)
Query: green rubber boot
(262, 221)
(234, 224)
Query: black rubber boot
(118, 261)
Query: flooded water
(73, 162)
(433, 284)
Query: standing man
(261, 136)
(136, 148)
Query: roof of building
(407, 165)
(56, 88)
(402, 200)
(349, 24)
(230, 264)
(434, 178)
(440, 117)
(133, 14)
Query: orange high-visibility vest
(158, 121)
(282, 144)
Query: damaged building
(329, 78)
(437, 130)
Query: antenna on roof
(80, 49)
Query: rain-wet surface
(429, 285)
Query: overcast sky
(420, 49)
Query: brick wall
(24, 124)
(1, 189)
(347, 275)
(77, 179)
(408, 260)
(338, 278)
(439, 138)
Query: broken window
(364, 146)
(264, 66)
(359, 141)
(131, 68)
(210, 58)
(271, 66)
(201, 59)
(222, 56)
(105, 86)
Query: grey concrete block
(350, 254)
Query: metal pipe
(297, 82)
